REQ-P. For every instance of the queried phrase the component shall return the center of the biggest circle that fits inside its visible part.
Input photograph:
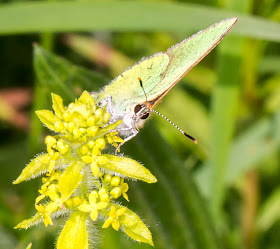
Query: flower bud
(58, 126)
(107, 178)
(87, 159)
(84, 149)
(77, 133)
(76, 201)
(116, 192)
(115, 181)
(104, 197)
(50, 141)
(98, 114)
(102, 191)
(70, 127)
(100, 143)
(66, 116)
(92, 131)
(91, 121)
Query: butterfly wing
(185, 55)
(125, 89)
(159, 73)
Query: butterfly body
(127, 100)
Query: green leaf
(70, 180)
(89, 48)
(129, 167)
(62, 77)
(36, 219)
(272, 101)
(58, 106)
(248, 150)
(47, 118)
(224, 108)
(269, 64)
(134, 227)
(36, 167)
(269, 212)
(126, 16)
(74, 233)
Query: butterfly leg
(134, 132)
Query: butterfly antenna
(141, 84)
(187, 135)
(178, 128)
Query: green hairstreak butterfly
(133, 94)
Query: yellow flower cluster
(74, 159)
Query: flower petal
(93, 214)
(120, 211)
(112, 211)
(125, 196)
(51, 207)
(47, 220)
(116, 225)
(92, 198)
(125, 187)
(94, 168)
(107, 222)
(85, 208)
(101, 205)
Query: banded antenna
(167, 119)
(178, 128)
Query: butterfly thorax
(133, 115)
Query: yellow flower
(82, 133)
(53, 193)
(93, 206)
(121, 188)
(113, 219)
(124, 188)
(46, 215)
(47, 181)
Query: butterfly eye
(138, 108)
(146, 115)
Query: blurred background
(223, 192)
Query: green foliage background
(223, 192)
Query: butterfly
(132, 95)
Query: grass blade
(125, 16)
